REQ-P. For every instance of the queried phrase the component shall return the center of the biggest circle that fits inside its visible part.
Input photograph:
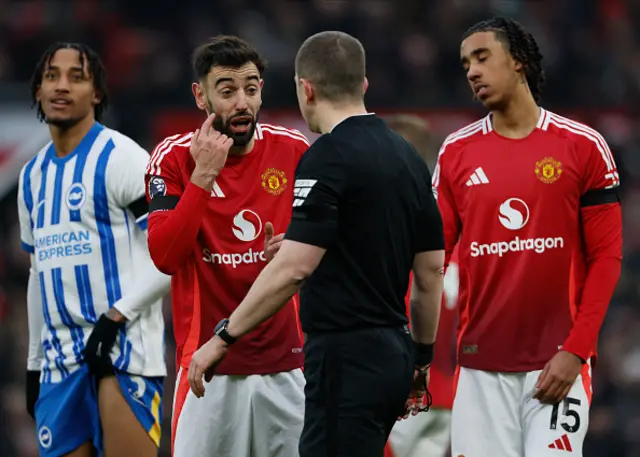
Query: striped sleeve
(25, 208)
(599, 167)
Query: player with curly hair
(531, 200)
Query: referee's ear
(365, 85)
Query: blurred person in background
(96, 361)
(217, 197)
(531, 199)
(429, 433)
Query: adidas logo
(216, 191)
(562, 444)
(478, 177)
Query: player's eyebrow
(55, 67)
(475, 53)
(227, 79)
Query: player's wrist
(581, 359)
(423, 354)
(116, 316)
(203, 178)
(221, 331)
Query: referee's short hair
(334, 62)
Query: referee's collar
(349, 117)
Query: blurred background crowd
(592, 61)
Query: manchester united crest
(274, 181)
(548, 170)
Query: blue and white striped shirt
(88, 247)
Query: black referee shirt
(364, 194)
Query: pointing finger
(206, 126)
(268, 232)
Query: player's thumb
(268, 232)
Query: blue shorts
(67, 413)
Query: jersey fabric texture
(217, 263)
(83, 218)
(362, 193)
(530, 215)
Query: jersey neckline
(543, 124)
(83, 147)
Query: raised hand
(271, 243)
(209, 149)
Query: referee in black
(363, 217)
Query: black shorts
(357, 384)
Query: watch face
(221, 326)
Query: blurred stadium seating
(592, 60)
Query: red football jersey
(444, 358)
(516, 206)
(250, 191)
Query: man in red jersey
(211, 227)
(350, 264)
(428, 434)
(532, 197)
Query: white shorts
(427, 434)
(494, 415)
(239, 416)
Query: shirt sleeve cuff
(578, 350)
(27, 247)
(197, 191)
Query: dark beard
(239, 139)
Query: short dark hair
(96, 70)
(520, 44)
(335, 63)
(225, 51)
(416, 131)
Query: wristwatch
(221, 331)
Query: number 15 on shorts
(571, 417)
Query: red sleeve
(602, 229)
(602, 232)
(176, 209)
(448, 210)
(173, 232)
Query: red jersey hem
(248, 370)
(520, 367)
